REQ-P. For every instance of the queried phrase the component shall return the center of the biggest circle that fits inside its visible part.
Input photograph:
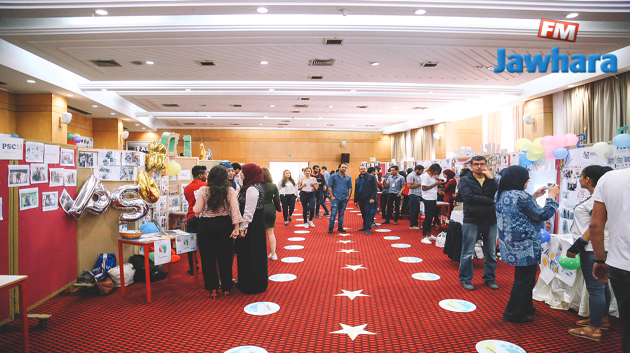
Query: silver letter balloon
(138, 207)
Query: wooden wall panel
(542, 110)
(461, 133)
(107, 133)
(81, 125)
(8, 124)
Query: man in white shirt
(611, 211)
(414, 183)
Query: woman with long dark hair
(272, 205)
(519, 220)
(449, 189)
(598, 293)
(287, 188)
(251, 244)
(308, 186)
(219, 218)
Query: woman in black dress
(251, 245)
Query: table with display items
(146, 241)
(8, 282)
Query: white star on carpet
(345, 241)
(351, 294)
(354, 267)
(354, 331)
(347, 251)
(345, 235)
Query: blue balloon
(149, 228)
(523, 161)
(560, 153)
(15, 136)
(622, 140)
(544, 235)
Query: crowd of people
(233, 211)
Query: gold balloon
(202, 153)
(155, 159)
(149, 191)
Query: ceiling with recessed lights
(398, 61)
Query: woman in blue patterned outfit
(519, 220)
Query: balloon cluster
(551, 147)
(157, 154)
(73, 139)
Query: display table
(146, 243)
(8, 282)
(561, 288)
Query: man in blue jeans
(340, 187)
(366, 187)
(611, 210)
(415, 195)
(478, 189)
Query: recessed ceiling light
(330, 106)
(374, 63)
(272, 106)
(188, 89)
(70, 95)
(137, 124)
(394, 107)
(353, 90)
(144, 128)
(259, 124)
(262, 10)
(101, 12)
(430, 92)
(30, 81)
(264, 62)
(490, 68)
(271, 89)
(104, 89)
(112, 113)
(353, 125)
(571, 86)
(265, 117)
(95, 106)
(573, 15)
(149, 62)
(420, 12)
(321, 117)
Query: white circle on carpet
(496, 346)
(246, 349)
(401, 246)
(409, 259)
(424, 276)
(358, 214)
(391, 237)
(348, 208)
(262, 308)
(355, 211)
(294, 247)
(383, 230)
(297, 239)
(282, 277)
(300, 224)
(458, 305)
(299, 219)
(302, 231)
(292, 260)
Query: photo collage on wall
(110, 165)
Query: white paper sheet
(51, 155)
(184, 175)
(34, 152)
(108, 157)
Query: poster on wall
(11, 148)
(29, 198)
(18, 175)
(56, 177)
(49, 201)
(174, 204)
(184, 175)
(39, 173)
(108, 158)
(34, 152)
(51, 155)
(140, 146)
(67, 157)
(131, 158)
(69, 177)
(127, 174)
(87, 142)
(87, 159)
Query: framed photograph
(108, 158)
(56, 177)
(49, 201)
(87, 159)
(19, 175)
(39, 173)
(29, 198)
(67, 157)
(127, 174)
(66, 201)
(131, 158)
(69, 177)
(34, 152)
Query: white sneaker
(426, 241)
(306, 225)
(311, 224)
(273, 257)
(432, 237)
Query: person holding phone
(430, 185)
(308, 185)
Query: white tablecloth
(567, 289)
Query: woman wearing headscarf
(449, 189)
(219, 217)
(519, 220)
(251, 245)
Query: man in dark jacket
(365, 187)
(478, 189)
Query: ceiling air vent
(189, 124)
(370, 125)
(78, 110)
(105, 63)
(429, 64)
(235, 124)
(300, 105)
(170, 105)
(321, 62)
(283, 124)
(137, 62)
(362, 106)
(330, 124)
(286, 121)
(316, 77)
(236, 105)
(334, 41)
(304, 99)
(419, 108)
(295, 111)
(206, 63)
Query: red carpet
(402, 311)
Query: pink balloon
(572, 139)
(549, 154)
(559, 141)
(546, 142)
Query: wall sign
(11, 148)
